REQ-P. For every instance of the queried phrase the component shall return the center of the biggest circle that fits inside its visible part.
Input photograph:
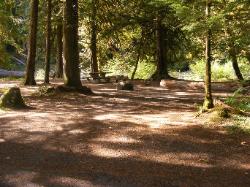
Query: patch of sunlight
(117, 139)
(68, 181)
(7, 85)
(78, 131)
(107, 89)
(154, 121)
(185, 93)
(21, 178)
(188, 159)
(2, 140)
(245, 166)
(33, 122)
(122, 100)
(101, 151)
(107, 117)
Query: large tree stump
(12, 98)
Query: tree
(93, 47)
(48, 42)
(31, 59)
(208, 101)
(59, 37)
(70, 44)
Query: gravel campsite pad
(146, 137)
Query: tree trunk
(59, 35)
(208, 102)
(233, 56)
(137, 60)
(248, 57)
(31, 59)
(70, 44)
(162, 68)
(136, 65)
(48, 42)
(94, 61)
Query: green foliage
(239, 101)
(220, 71)
(240, 125)
(145, 70)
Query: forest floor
(148, 137)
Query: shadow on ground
(143, 138)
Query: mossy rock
(12, 98)
(125, 85)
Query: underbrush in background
(220, 71)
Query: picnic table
(99, 76)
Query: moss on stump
(12, 98)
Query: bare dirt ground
(148, 137)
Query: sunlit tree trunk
(70, 44)
(31, 59)
(59, 44)
(208, 101)
(48, 42)
(94, 61)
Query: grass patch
(239, 125)
(239, 101)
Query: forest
(124, 93)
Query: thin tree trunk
(94, 61)
(136, 65)
(70, 44)
(208, 102)
(248, 57)
(59, 35)
(48, 42)
(137, 60)
(232, 53)
(31, 59)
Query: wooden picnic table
(98, 75)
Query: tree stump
(12, 98)
(125, 85)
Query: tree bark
(136, 65)
(208, 101)
(94, 61)
(248, 57)
(48, 42)
(162, 67)
(70, 44)
(233, 56)
(59, 37)
(137, 59)
(31, 59)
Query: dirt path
(148, 137)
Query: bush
(238, 101)
(145, 70)
(220, 71)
